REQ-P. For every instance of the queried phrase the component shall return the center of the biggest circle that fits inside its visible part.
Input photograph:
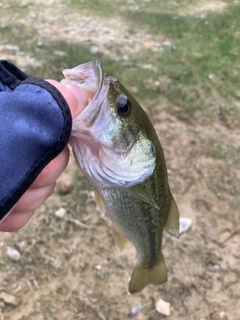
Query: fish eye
(123, 106)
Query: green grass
(98, 7)
(203, 61)
(225, 152)
(202, 64)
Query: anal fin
(120, 240)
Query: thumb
(76, 97)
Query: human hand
(45, 183)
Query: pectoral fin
(172, 224)
(99, 201)
(139, 192)
(120, 240)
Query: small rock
(167, 43)
(68, 254)
(64, 186)
(216, 267)
(222, 315)
(163, 307)
(10, 47)
(59, 53)
(135, 310)
(60, 213)
(185, 224)
(99, 271)
(94, 49)
(77, 223)
(13, 254)
(101, 316)
(98, 267)
(9, 298)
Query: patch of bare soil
(69, 266)
(206, 6)
(203, 7)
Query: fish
(117, 147)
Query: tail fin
(142, 276)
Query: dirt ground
(69, 266)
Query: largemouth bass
(116, 146)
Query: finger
(76, 102)
(33, 198)
(80, 94)
(15, 221)
(52, 171)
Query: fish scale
(133, 221)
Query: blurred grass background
(197, 68)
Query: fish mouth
(90, 78)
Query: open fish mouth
(89, 77)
